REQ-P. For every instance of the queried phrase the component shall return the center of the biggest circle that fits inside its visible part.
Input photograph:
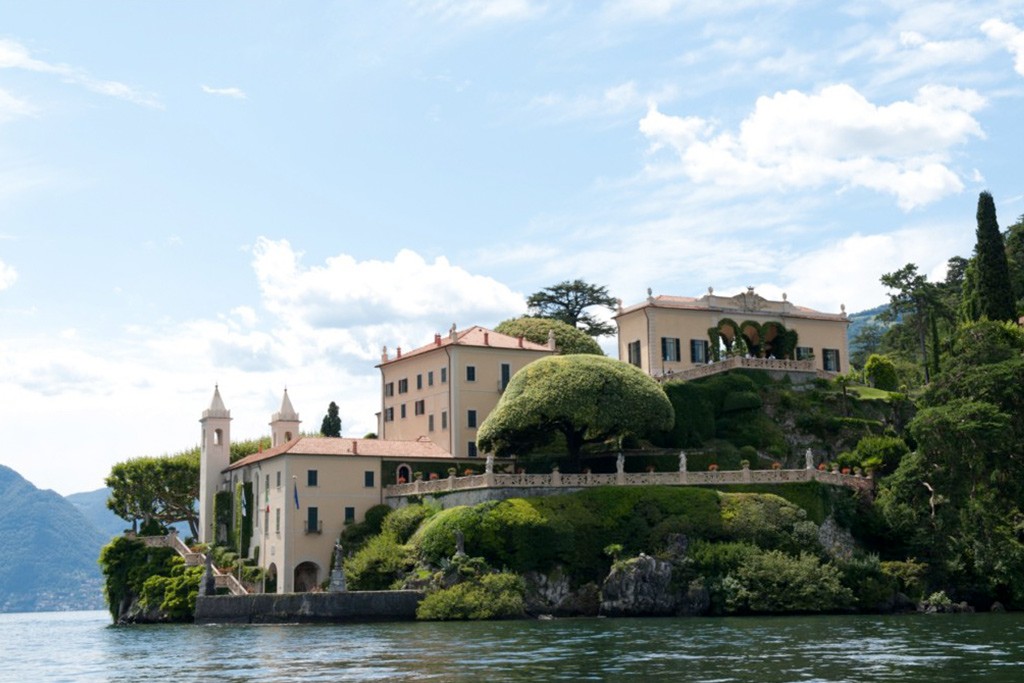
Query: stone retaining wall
(294, 608)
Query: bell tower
(284, 424)
(214, 457)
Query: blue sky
(261, 195)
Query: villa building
(443, 391)
(301, 493)
(669, 335)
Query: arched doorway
(307, 575)
(403, 472)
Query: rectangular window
(312, 520)
(279, 479)
(506, 375)
(419, 407)
(350, 515)
(804, 352)
(471, 419)
(471, 449)
(831, 359)
(444, 375)
(403, 386)
(698, 351)
(430, 423)
(311, 477)
(389, 414)
(430, 378)
(401, 410)
(419, 381)
(444, 419)
(633, 351)
(470, 373)
(277, 520)
(256, 502)
(389, 389)
(368, 479)
(670, 349)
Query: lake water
(82, 646)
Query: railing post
(556, 476)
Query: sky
(261, 195)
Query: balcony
(318, 527)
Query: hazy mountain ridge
(48, 551)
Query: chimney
(398, 352)
(453, 334)
(437, 339)
(384, 354)
(487, 338)
(355, 447)
(520, 341)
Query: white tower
(284, 424)
(214, 457)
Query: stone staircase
(192, 559)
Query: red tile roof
(473, 336)
(701, 304)
(379, 448)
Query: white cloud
(836, 136)
(12, 107)
(623, 98)
(345, 293)
(236, 93)
(1010, 37)
(482, 11)
(8, 275)
(14, 55)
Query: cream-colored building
(302, 492)
(443, 391)
(664, 335)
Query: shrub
(881, 372)
(402, 523)
(493, 596)
(378, 564)
(436, 537)
(772, 581)
(766, 520)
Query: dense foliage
(331, 425)
(568, 339)
(584, 398)
(161, 489)
(156, 576)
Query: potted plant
(776, 465)
(845, 470)
(745, 464)
(451, 471)
(713, 467)
(401, 480)
(822, 467)
(418, 476)
(433, 476)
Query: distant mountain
(93, 505)
(48, 550)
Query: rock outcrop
(639, 587)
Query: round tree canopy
(586, 398)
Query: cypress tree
(331, 426)
(995, 294)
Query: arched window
(218, 437)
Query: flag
(245, 507)
(295, 489)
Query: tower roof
(217, 408)
(287, 413)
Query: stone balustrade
(192, 559)
(683, 478)
(769, 364)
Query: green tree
(156, 489)
(331, 426)
(881, 372)
(568, 339)
(917, 302)
(569, 301)
(995, 293)
(1015, 260)
(585, 398)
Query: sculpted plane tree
(568, 301)
(156, 489)
(585, 398)
(568, 339)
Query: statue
(682, 461)
(809, 459)
(460, 543)
(337, 584)
(208, 584)
(489, 465)
(620, 463)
